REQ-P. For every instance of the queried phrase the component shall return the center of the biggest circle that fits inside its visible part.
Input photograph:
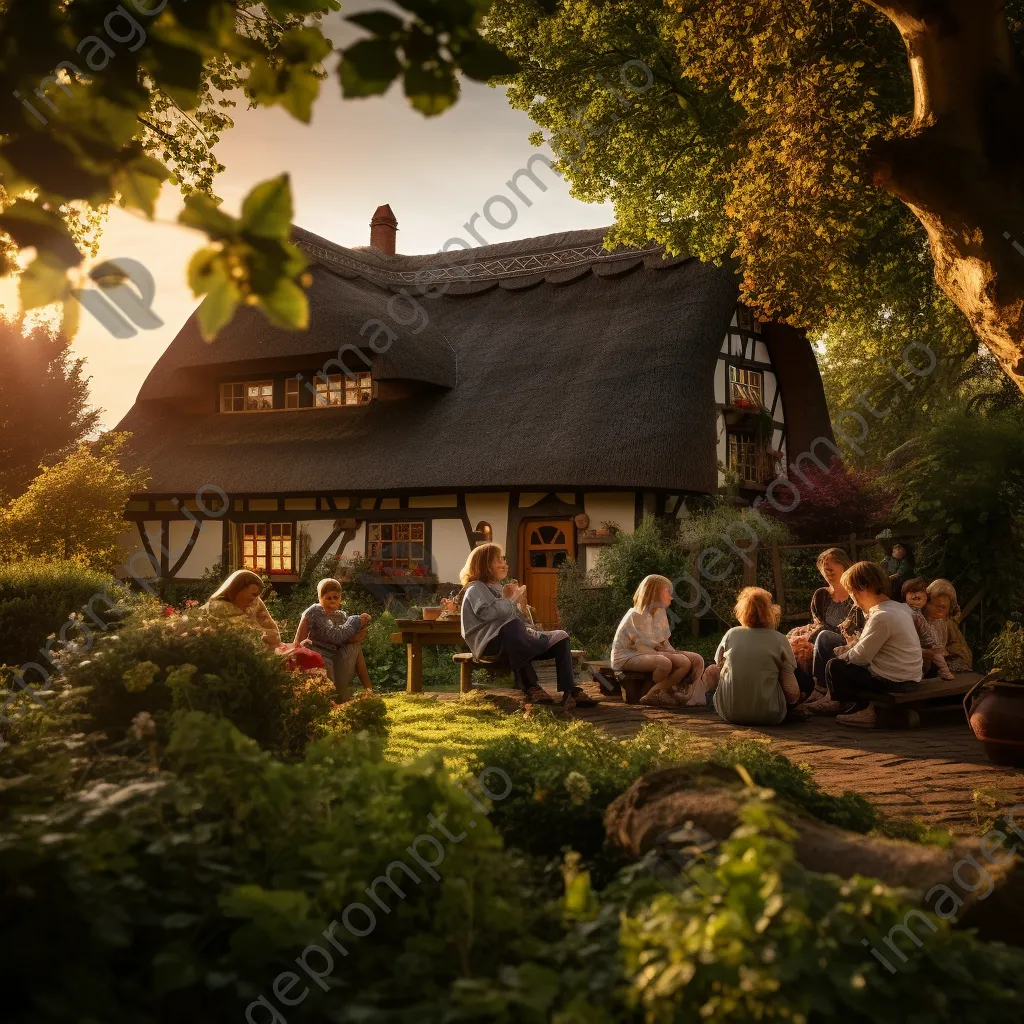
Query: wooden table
(417, 633)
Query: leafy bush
(963, 482)
(762, 938)
(385, 661)
(159, 664)
(589, 614)
(38, 597)
(1006, 652)
(367, 714)
(193, 888)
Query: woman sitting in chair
(496, 627)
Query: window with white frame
(343, 389)
(247, 396)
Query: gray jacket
(327, 635)
(484, 612)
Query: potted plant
(995, 705)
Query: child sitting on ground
(641, 644)
(754, 671)
(939, 612)
(915, 596)
(336, 637)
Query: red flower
(169, 610)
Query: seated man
(336, 637)
(886, 658)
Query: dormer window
(343, 389)
(248, 396)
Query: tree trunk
(638, 820)
(959, 168)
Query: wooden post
(465, 676)
(414, 665)
(780, 590)
(750, 568)
(695, 619)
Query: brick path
(937, 772)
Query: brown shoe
(538, 695)
(580, 698)
(659, 699)
(863, 719)
(829, 708)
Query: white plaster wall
(761, 352)
(320, 529)
(207, 549)
(490, 508)
(528, 498)
(769, 391)
(720, 382)
(449, 549)
(721, 446)
(135, 561)
(617, 506)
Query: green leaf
(140, 182)
(204, 214)
(287, 305)
(368, 67)
(480, 60)
(267, 209)
(29, 224)
(380, 23)
(223, 297)
(44, 281)
(431, 90)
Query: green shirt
(749, 691)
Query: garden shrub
(764, 939)
(37, 598)
(185, 893)
(367, 714)
(161, 663)
(385, 661)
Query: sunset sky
(354, 156)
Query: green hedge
(37, 599)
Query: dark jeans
(846, 682)
(526, 677)
(825, 644)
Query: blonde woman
(495, 627)
(239, 595)
(641, 644)
(753, 674)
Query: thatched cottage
(530, 392)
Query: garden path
(937, 773)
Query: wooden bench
(632, 685)
(904, 708)
(467, 666)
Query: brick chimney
(383, 230)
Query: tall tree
(44, 407)
(857, 188)
(73, 510)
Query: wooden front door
(544, 546)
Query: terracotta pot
(430, 613)
(995, 713)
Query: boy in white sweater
(886, 658)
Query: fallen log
(981, 879)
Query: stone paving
(937, 772)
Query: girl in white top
(642, 644)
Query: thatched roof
(548, 362)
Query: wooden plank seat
(468, 665)
(632, 685)
(903, 708)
